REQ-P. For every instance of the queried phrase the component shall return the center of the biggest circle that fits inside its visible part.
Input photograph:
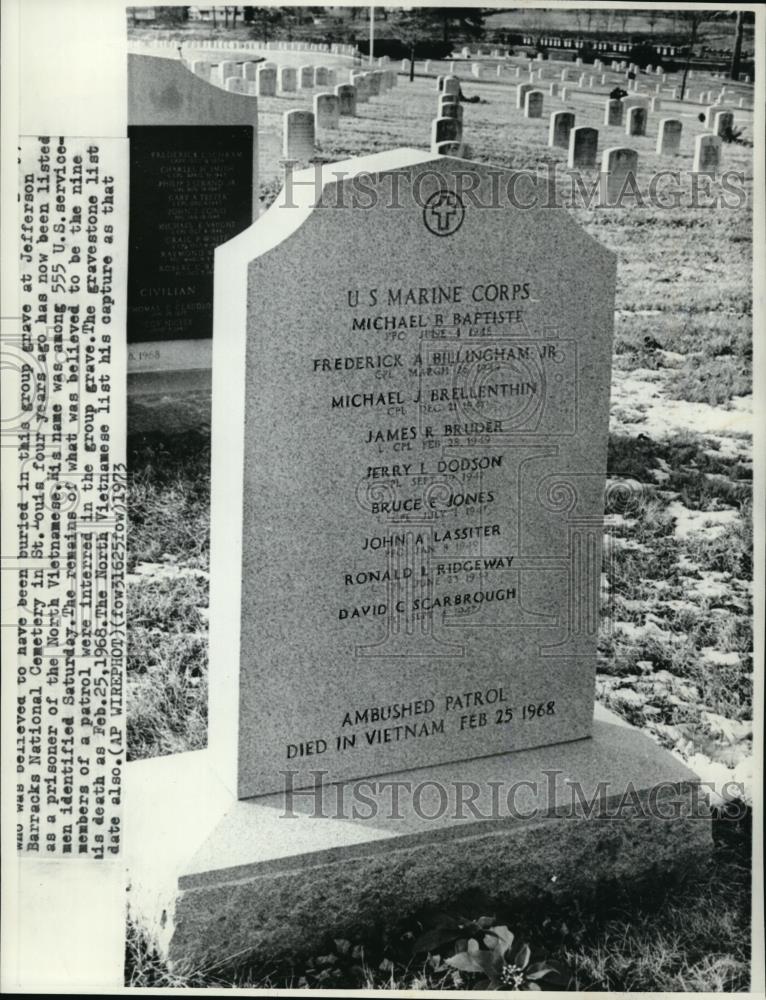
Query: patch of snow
(625, 544)
(157, 571)
(719, 658)
(731, 730)
(712, 585)
(665, 417)
(673, 359)
(649, 630)
(716, 778)
(712, 522)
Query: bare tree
(694, 20)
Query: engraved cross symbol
(443, 213)
(444, 210)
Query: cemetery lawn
(675, 654)
(689, 934)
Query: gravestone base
(275, 881)
(169, 387)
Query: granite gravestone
(193, 176)
(190, 192)
(415, 423)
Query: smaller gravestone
(583, 146)
(564, 76)
(711, 113)
(635, 123)
(299, 135)
(306, 77)
(669, 136)
(452, 149)
(553, 90)
(533, 104)
(445, 130)
(326, 111)
(707, 154)
(613, 112)
(266, 81)
(564, 93)
(618, 164)
(363, 89)
(561, 124)
(225, 70)
(373, 84)
(450, 109)
(288, 80)
(346, 94)
(322, 76)
(521, 94)
(451, 86)
(655, 104)
(235, 85)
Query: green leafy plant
(503, 967)
(447, 929)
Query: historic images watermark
(549, 187)
(555, 794)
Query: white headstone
(288, 80)
(266, 81)
(561, 124)
(326, 111)
(707, 154)
(299, 135)
(618, 164)
(346, 94)
(635, 122)
(583, 147)
(533, 104)
(669, 136)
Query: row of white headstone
(300, 126)
(447, 127)
(585, 81)
(194, 44)
(582, 142)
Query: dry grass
(688, 934)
